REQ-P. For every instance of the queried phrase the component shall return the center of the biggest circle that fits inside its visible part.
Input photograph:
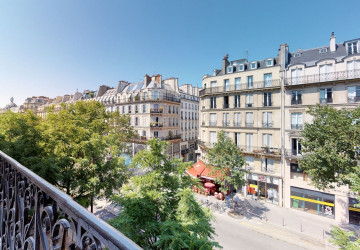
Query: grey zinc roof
(311, 56)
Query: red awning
(199, 169)
(209, 185)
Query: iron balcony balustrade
(156, 111)
(326, 77)
(226, 106)
(143, 139)
(326, 100)
(160, 97)
(267, 125)
(292, 153)
(296, 102)
(237, 124)
(249, 124)
(241, 87)
(212, 123)
(37, 215)
(156, 124)
(226, 123)
(260, 150)
(354, 99)
(296, 126)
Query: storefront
(354, 211)
(313, 202)
(264, 187)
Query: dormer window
(269, 62)
(253, 65)
(241, 67)
(323, 50)
(297, 55)
(230, 69)
(352, 48)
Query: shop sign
(253, 186)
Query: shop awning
(200, 169)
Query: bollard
(301, 227)
(283, 221)
(323, 234)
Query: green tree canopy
(158, 209)
(227, 161)
(331, 147)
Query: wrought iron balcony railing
(267, 124)
(241, 87)
(226, 123)
(296, 126)
(326, 100)
(354, 99)
(237, 124)
(212, 123)
(249, 124)
(37, 215)
(292, 152)
(327, 77)
(296, 102)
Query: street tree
(330, 156)
(159, 210)
(85, 142)
(227, 163)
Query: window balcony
(156, 111)
(249, 124)
(203, 123)
(292, 153)
(260, 150)
(267, 124)
(327, 77)
(326, 100)
(275, 83)
(40, 216)
(296, 126)
(237, 124)
(354, 99)
(249, 105)
(156, 124)
(212, 123)
(226, 123)
(296, 102)
(226, 106)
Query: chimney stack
(283, 56)
(225, 64)
(147, 80)
(332, 43)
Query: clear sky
(52, 48)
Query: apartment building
(154, 107)
(262, 106)
(328, 75)
(243, 99)
(189, 97)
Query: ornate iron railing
(326, 77)
(36, 215)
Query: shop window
(354, 211)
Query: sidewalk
(287, 220)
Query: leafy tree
(343, 239)
(331, 147)
(21, 138)
(85, 142)
(158, 209)
(227, 161)
(331, 150)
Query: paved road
(240, 234)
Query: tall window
(213, 84)
(213, 138)
(155, 95)
(326, 95)
(237, 101)
(267, 99)
(237, 139)
(352, 48)
(325, 71)
(249, 122)
(267, 119)
(267, 165)
(296, 121)
(226, 121)
(213, 102)
(267, 140)
(354, 94)
(296, 97)
(353, 69)
(296, 76)
(226, 85)
(237, 121)
(249, 142)
(249, 162)
(213, 119)
(250, 82)
(226, 102)
(237, 83)
(267, 80)
(249, 100)
(295, 146)
(144, 108)
(136, 121)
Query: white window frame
(253, 65)
(230, 69)
(241, 67)
(271, 61)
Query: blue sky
(55, 47)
